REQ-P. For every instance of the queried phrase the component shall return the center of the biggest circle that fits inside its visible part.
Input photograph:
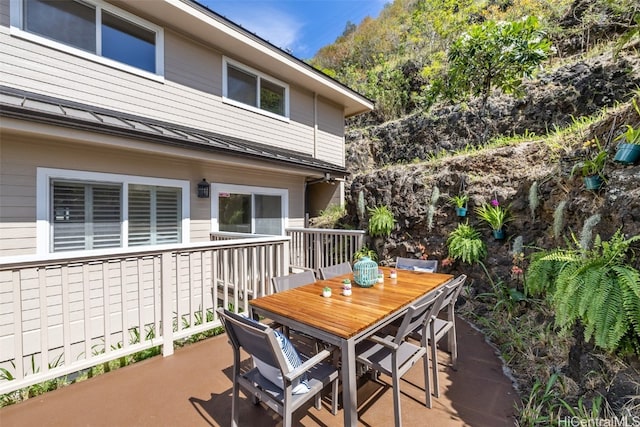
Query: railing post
(167, 313)
(317, 263)
(18, 325)
(359, 241)
(286, 249)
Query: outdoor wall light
(203, 189)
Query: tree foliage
(399, 58)
(495, 55)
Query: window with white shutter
(87, 211)
(154, 215)
(86, 216)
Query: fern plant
(465, 244)
(597, 287)
(365, 252)
(381, 222)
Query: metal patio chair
(394, 355)
(425, 265)
(290, 281)
(275, 361)
(335, 270)
(443, 325)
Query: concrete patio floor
(192, 388)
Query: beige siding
(20, 156)
(323, 195)
(330, 138)
(190, 94)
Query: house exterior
(113, 112)
(132, 135)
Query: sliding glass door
(253, 210)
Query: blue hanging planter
(593, 182)
(627, 153)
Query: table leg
(349, 385)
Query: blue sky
(301, 26)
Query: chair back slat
(416, 315)
(282, 283)
(452, 289)
(255, 338)
(413, 264)
(335, 270)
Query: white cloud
(275, 26)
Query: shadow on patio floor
(192, 388)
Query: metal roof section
(21, 104)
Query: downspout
(315, 125)
(315, 156)
(306, 204)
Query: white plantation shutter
(107, 216)
(168, 215)
(139, 215)
(154, 215)
(85, 216)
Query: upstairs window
(92, 27)
(67, 22)
(246, 87)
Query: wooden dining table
(344, 321)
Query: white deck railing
(62, 315)
(312, 248)
(65, 314)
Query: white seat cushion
(291, 356)
(423, 269)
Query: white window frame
(217, 188)
(17, 15)
(43, 203)
(228, 61)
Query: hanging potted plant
(460, 203)
(381, 221)
(495, 216)
(592, 168)
(629, 149)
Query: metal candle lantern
(365, 272)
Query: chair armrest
(308, 364)
(383, 342)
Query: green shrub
(459, 200)
(330, 217)
(381, 221)
(597, 287)
(365, 252)
(494, 215)
(465, 244)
